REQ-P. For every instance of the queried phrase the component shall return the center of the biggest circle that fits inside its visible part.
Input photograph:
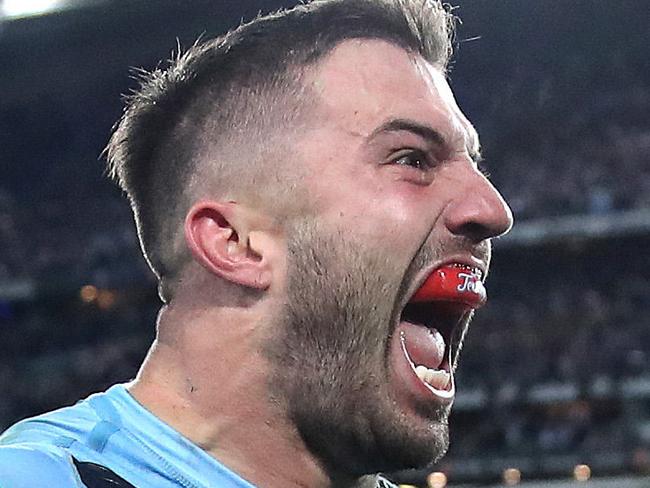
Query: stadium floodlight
(15, 9)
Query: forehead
(364, 83)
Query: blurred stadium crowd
(556, 365)
(559, 363)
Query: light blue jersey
(112, 430)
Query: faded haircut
(229, 93)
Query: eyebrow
(422, 130)
(428, 133)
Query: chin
(414, 446)
(361, 434)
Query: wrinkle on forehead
(364, 82)
(353, 80)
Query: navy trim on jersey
(95, 476)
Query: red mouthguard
(458, 284)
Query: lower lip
(408, 384)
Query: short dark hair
(216, 87)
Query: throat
(230, 416)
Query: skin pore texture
(274, 354)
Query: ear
(217, 234)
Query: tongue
(424, 346)
(452, 284)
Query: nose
(478, 211)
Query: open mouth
(431, 327)
(430, 339)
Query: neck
(206, 377)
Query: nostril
(475, 231)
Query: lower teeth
(437, 378)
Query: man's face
(394, 193)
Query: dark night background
(555, 372)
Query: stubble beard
(331, 358)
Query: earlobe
(218, 238)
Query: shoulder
(58, 428)
(30, 465)
(35, 452)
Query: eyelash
(426, 163)
(420, 158)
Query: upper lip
(467, 260)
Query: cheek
(379, 208)
(387, 228)
(403, 216)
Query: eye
(414, 158)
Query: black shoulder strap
(96, 476)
